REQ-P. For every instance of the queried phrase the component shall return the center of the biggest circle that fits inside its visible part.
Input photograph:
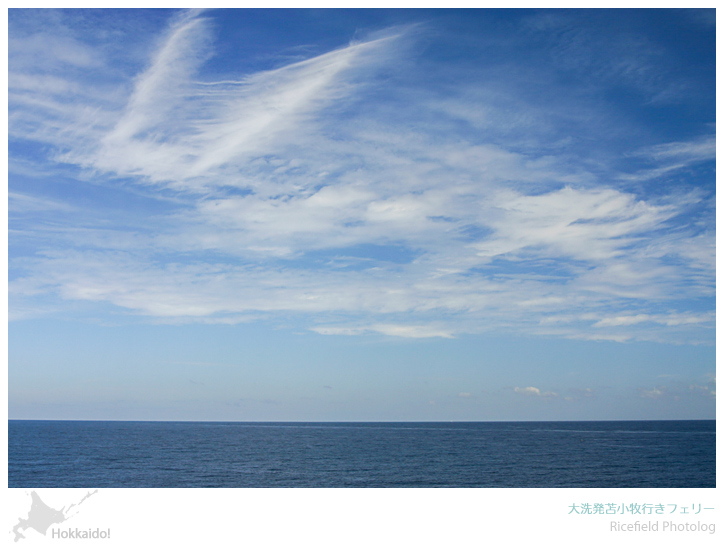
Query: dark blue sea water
(91, 454)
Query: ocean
(93, 454)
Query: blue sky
(362, 214)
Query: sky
(361, 215)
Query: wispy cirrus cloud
(178, 130)
(291, 185)
(666, 159)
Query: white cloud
(591, 225)
(656, 392)
(178, 131)
(528, 390)
(703, 390)
(673, 156)
(19, 203)
(396, 330)
(703, 149)
(622, 321)
(669, 320)
(535, 391)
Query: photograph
(285, 255)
